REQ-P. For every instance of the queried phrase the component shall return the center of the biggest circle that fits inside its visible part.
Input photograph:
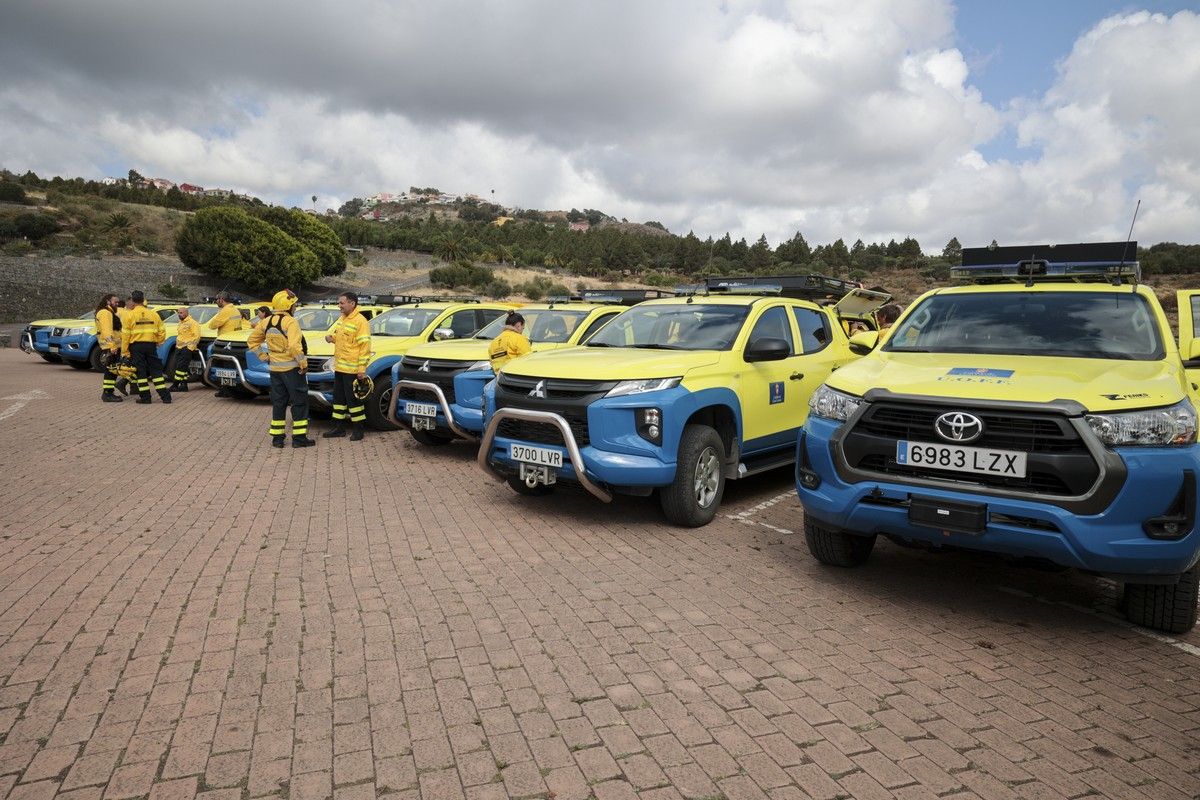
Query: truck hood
(70, 322)
(1097, 384)
(467, 349)
(610, 363)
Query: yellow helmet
(283, 300)
(362, 388)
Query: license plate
(196, 370)
(227, 381)
(423, 423)
(421, 409)
(542, 475)
(224, 373)
(53, 348)
(542, 456)
(978, 460)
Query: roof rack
(623, 297)
(389, 299)
(1082, 261)
(450, 298)
(159, 301)
(802, 287)
(235, 299)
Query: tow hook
(531, 479)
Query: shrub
(35, 226)
(497, 289)
(8, 229)
(17, 247)
(11, 192)
(228, 243)
(312, 233)
(172, 292)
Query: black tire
(377, 405)
(94, 360)
(837, 548)
(694, 496)
(519, 486)
(431, 438)
(1166, 607)
(169, 366)
(79, 365)
(50, 358)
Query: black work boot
(357, 435)
(123, 386)
(302, 441)
(335, 433)
(164, 395)
(277, 441)
(109, 397)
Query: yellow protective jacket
(285, 343)
(141, 325)
(507, 346)
(351, 344)
(227, 320)
(189, 333)
(107, 333)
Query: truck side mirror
(767, 349)
(442, 334)
(863, 343)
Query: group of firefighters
(129, 335)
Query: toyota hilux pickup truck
(675, 396)
(440, 384)
(1041, 410)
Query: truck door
(1189, 337)
(773, 403)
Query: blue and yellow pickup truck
(440, 384)
(35, 337)
(1040, 411)
(78, 346)
(232, 365)
(675, 396)
(415, 323)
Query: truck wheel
(431, 438)
(836, 548)
(519, 486)
(94, 360)
(694, 496)
(1170, 607)
(80, 365)
(377, 405)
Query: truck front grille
(567, 398)
(1058, 461)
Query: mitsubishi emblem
(424, 367)
(539, 390)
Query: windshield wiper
(597, 344)
(658, 347)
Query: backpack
(275, 323)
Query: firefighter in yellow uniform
(186, 342)
(351, 340)
(227, 320)
(108, 336)
(510, 344)
(141, 334)
(286, 361)
(124, 368)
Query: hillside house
(582, 226)
(191, 188)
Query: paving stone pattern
(185, 611)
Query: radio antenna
(1128, 238)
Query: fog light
(649, 424)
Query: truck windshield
(317, 319)
(674, 327)
(541, 325)
(202, 314)
(1112, 325)
(403, 321)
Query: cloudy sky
(1018, 121)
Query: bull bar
(437, 392)
(27, 341)
(549, 418)
(237, 365)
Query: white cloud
(748, 116)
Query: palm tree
(448, 247)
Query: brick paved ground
(391, 623)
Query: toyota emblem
(958, 426)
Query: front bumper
(1110, 542)
(251, 381)
(492, 451)
(75, 348)
(27, 342)
(445, 418)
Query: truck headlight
(1152, 426)
(485, 364)
(832, 404)
(74, 331)
(638, 387)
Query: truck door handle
(797, 376)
